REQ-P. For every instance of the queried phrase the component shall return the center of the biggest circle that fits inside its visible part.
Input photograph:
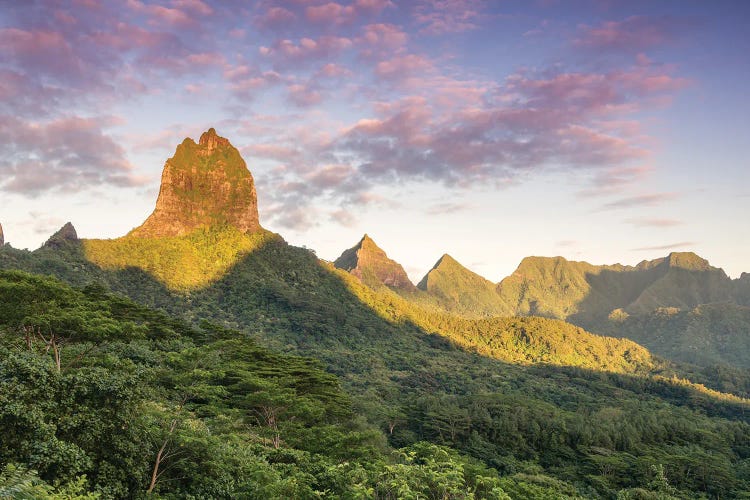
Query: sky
(600, 130)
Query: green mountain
(685, 281)
(210, 385)
(459, 290)
(709, 334)
(205, 220)
(587, 294)
(371, 265)
(629, 301)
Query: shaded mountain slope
(587, 294)
(709, 334)
(685, 280)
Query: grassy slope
(181, 263)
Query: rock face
(66, 234)
(372, 266)
(2, 237)
(204, 184)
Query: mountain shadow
(416, 385)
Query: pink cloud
(160, 14)
(304, 95)
(633, 34)
(448, 16)
(306, 50)
(343, 217)
(196, 6)
(330, 176)
(68, 154)
(42, 50)
(275, 151)
(379, 40)
(245, 81)
(615, 179)
(275, 17)
(333, 13)
(670, 246)
(572, 119)
(643, 200)
(332, 70)
(403, 67)
(206, 59)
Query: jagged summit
(372, 266)
(2, 237)
(688, 260)
(211, 140)
(65, 234)
(204, 184)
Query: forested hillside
(135, 403)
(538, 401)
(620, 301)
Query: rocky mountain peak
(372, 266)
(203, 185)
(688, 260)
(2, 237)
(65, 234)
(210, 140)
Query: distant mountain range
(206, 219)
(611, 299)
(557, 288)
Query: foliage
(710, 334)
(181, 263)
(549, 429)
(20, 483)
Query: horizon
(605, 132)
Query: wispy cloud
(644, 200)
(614, 180)
(653, 222)
(633, 34)
(671, 246)
(447, 208)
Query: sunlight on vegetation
(181, 263)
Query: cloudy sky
(600, 130)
